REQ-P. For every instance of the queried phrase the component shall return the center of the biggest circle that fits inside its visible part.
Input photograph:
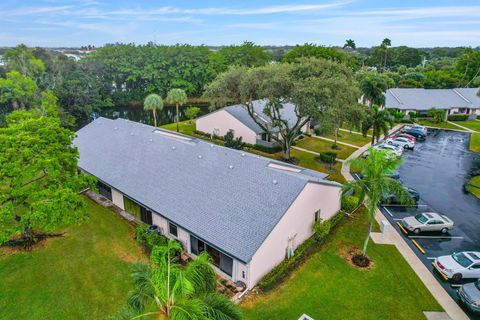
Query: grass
(475, 142)
(473, 186)
(327, 287)
(185, 127)
(84, 275)
(352, 138)
(443, 125)
(470, 124)
(319, 145)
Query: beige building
(246, 211)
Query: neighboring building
(455, 101)
(246, 211)
(238, 119)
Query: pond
(137, 114)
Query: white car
(427, 221)
(396, 150)
(401, 142)
(459, 265)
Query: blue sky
(329, 22)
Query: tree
(153, 102)
(39, 177)
(378, 120)
(312, 50)
(469, 65)
(373, 88)
(21, 59)
(312, 85)
(375, 184)
(384, 46)
(170, 291)
(192, 113)
(231, 142)
(247, 54)
(438, 115)
(177, 97)
(349, 43)
(17, 89)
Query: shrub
(192, 112)
(321, 229)
(303, 251)
(154, 239)
(328, 157)
(207, 135)
(349, 203)
(422, 115)
(458, 117)
(317, 131)
(266, 149)
(140, 232)
(412, 114)
(232, 142)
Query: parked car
(403, 135)
(394, 175)
(396, 150)
(418, 134)
(469, 294)
(392, 199)
(417, 127)
(427, 221)
(401, 142)
(459, 265)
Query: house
(238, 119)
(455, 101)
(246, 211)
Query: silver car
(469, 294)
(428, 221)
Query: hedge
(349, 203)
(266, 149)
(458, 117)
(303, 251)
(328, 156)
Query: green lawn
(443, 125)
(473, 186)
(352, 138)
(84, 275)
(470, 124)
(319, 145)
(475, 142)
(327, 287)
(185, 127)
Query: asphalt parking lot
(438, 168)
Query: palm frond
(219, 307)
(188, 309)
(143, 289)
(201, 274)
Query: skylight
(284, 167)
(172, 135)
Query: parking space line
(431, 258)
(418, 246)
(434, 237)
(402, 228)
(388, 211)
(397, 219)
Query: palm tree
(168, 291)
(349, 43)
(376, 183)
(385, 44)
(379, 121)
(153, 102)
(373, 87)
(177, 97)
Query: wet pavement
(438, 169)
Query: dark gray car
(470, 295)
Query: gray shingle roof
(424, 99)
(240, 113)
(229, 198)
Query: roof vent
(230, 166)
(200, 156)
(275, 181)
(243, 154)
(151, 140)
(212, 145)
(131, 133)
(173, 148)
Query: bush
(303, 251)
(317, 131)
(321, 229)
(458, 117)
(266, 149)
(349, 203)
(232, 142)
(328, 157)
(154, 239)
(422, 115)
(412, 114)
(207, 135)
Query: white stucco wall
(182, 235)
(117, 198)
(221, 121)
(297, 222)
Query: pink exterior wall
(221, 121)
(297, 222)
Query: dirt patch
(355, 258)
(16, 244)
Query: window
(131, 207)
(243, 274)
(220, 260)
(146, 215)
(266, 137)
(172, 229)
(104, 190)
(317, 215)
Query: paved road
(438, 168)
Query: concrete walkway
(442, 297)
(339, 142)
(464, 128)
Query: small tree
(177, 97)
(231, 142)
(192, 113)
(378, 120)
(154, 103)
(438, 115)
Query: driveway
(438, 168)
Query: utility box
(384, 228)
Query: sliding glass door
(219, 259)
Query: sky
(72, 23)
